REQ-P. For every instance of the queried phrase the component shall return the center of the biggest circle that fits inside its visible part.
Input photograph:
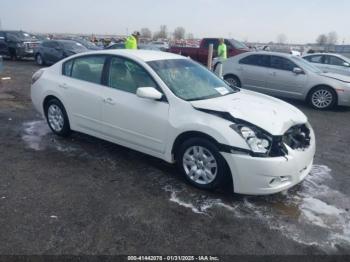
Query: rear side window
(256, 60)
(215, 42)
(333, 60)
(282, 63)
(88, 68)
(315, 59)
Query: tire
(13, 54)
(39, 60)
(56, 117)
(232, 80)
(193, 166)
(322, 98)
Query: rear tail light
(37, 75)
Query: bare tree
(322, 39)
(190, 36)
(179, 33)
(332, 38)
(162, 33)
(146, 33)
(281, 39)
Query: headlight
(258, 141)
(20, 44)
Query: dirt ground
(82, 195)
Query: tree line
(163, 33)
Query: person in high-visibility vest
(131, 41)
(222, 49)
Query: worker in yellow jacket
(131, 41)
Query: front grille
(297, 137)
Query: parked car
(89, 45)
(160, 45)
(17, 44)
(329, 62)
(173, 108)
(140, 46)
(52, 51)
(1, 64)
(285, 75)
(200, 54)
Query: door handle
(109, 101)
(273, 73)
(64, 86)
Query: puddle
(312, 213)
(38, 136)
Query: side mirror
(298, 70)
(149, 92)
(346, 64)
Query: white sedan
(172, 108)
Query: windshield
(306, 65)
(189, 80)
(73, 46)
(237, 44)
(85, 43)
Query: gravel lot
(82, 195)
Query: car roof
(269, 53)
(144, 55)
(333, 54)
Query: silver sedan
(329, 62)
(284, 75)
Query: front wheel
(322, 98)
(39, 60)
(232, 80)
(202, 164)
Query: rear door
(253, 71)
(83, 92)
(317, 60)
(130, 120)
(282, 81)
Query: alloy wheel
(200, 165)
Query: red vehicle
(200, 54)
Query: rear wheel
(57, 118)
(322, 98)
(202, 164)
(232, 80)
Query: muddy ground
(82, 195)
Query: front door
(282, 81)
(130, 120)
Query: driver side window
(127, 76)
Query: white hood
(268, 113)
(336, 76)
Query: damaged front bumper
(267, 175)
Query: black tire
(328, 92)
(223, 173)
(40, 60)
(13, 54)
(233, 80)
(65, 129)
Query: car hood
(336, 76)
(268, 113)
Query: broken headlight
(258, 141)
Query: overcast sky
(253, 20)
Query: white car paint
(151, 126)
